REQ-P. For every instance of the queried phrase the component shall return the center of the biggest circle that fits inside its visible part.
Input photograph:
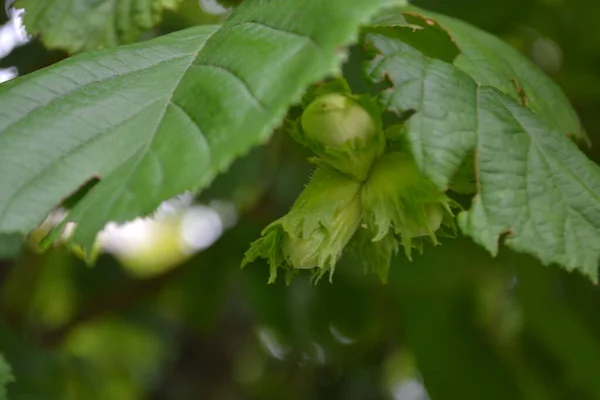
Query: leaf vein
(232, 74)
(87, 86)
(281, 30)
(56, 161)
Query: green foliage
(76, 25)
(399, 201)
(5, 377)
(136, 117)
(522, 159)
(492, 62)
(469, 112)
(487, 59)
(551, 209)
(120, 141)
(533, 183)
(356, 184)
(139, 116)
(314, 233)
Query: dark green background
(467, 325)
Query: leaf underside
(533, 183)
(154, 119)
(493, 62)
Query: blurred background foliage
(453, 324)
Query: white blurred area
(410, 389)
(197, 226)
(12, 35)
(272, 344)
(213, 7)
(148, 246)
(6, 74)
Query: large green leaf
(533, 183)
(488, 60)
(160, 117)
(491, 61)
(76, 25)
(5, 377)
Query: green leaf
(534, 184)
(77, 25)
(443, 131)
(5, 377)
(419, 33)
(160, 117)
(88, 116)
(492, 62)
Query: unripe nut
(322, 221)
(335, 119)
(397, 198)
(299, 252)
(435, 215)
